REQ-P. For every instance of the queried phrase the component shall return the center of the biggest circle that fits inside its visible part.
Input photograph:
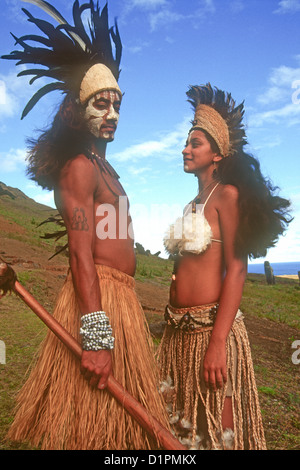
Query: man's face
(102, 114)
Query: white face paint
(102, 114)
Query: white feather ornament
(190, 233)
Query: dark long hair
(264, 215)
(63, 140)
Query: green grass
(26, 214)
(279, 302)
(153, 268)
(22, 332)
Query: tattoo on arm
(79, 220)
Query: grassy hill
(271, 317)
(20, 217)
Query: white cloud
(13, 8)
(164, 17)
(268, 142)
(207, 6)
(284, 75)
(162, 12)
(274, 94)
(45, 197)
(151, 222)
(287, 248)
(280, 99)
(15, 92)
(8, 103)
(147, 4)
(288, 6)
(137, 151)
(12, 161)
(237, 5)
(138, 171)
(2, 92)
(290, 113)
(281, 81)
(166, 147)
(138, 48)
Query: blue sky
(248, 47)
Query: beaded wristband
(96, 331)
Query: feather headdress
(68, 52)
(217, 113)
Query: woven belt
(193, 318)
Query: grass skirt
(180, 357)
(57, 409)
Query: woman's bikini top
(190, 233)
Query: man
(59, 408)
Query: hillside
(19, 231)
(272, 316)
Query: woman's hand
(214, 365)
(96, 366)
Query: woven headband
(98, 78)
(208, 119)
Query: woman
(205, 349)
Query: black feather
(58, 220)
(78, 23)
(226, 107)
(38, 73)
(36, 38)
(69, 49)
(39, 94)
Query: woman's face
(197, 155)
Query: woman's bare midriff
(198, 279)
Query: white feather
(58, 17)
(44, 6)
(190, 233)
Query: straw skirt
(180, 356)
(57, 408)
